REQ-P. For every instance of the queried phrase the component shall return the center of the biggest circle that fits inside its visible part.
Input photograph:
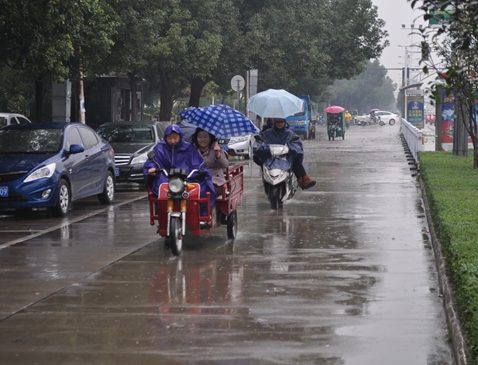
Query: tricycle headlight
(176, 185)
(44, 172)
(141, 159)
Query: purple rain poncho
(183, 156)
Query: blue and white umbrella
(220, 120)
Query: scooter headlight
(176, 185)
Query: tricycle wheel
(232, 225)
(175, 236)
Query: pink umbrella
(334, 109)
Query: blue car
(50, 165)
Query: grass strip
(451, 187)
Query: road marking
(59, 226)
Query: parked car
(131, 142)
(53, 164)
(363, 119)
(387, 117)
(12, 118)
(241, 146)
(354, 113)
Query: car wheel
(62, 200)
(391, 121)
(108, 194)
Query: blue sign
(415, 110)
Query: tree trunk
(39, 101)
(475, 153)
(132, 83)
(166, 96)
(197, 84)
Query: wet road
(344, 274)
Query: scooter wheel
(274, 198)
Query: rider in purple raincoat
(174, 152)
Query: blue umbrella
(220, 120)
(187, 129)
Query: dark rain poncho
(183, 156)
(282, 136)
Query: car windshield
(30, 140)
(127, 133)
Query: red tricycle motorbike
(179, 210)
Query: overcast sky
(395, 13)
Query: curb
(459, 349)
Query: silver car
(241, 146)
(13, 118)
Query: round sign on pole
(238, 83)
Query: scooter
(277, 175)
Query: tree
(132, 43)
(458, 65)
(188, 48)
(300, 40)
(38, 37)
(370, 89)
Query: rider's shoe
(305, 182)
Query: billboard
(448, 121)
(415, 110)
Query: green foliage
(370, 89)
(451, 186)
(17, 94)
(455, 42)
(41, 37)
(306, 43)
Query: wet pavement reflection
(343, 274)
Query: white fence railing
(413, 136)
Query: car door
(74, 162)
(386, 116)
(93, 171)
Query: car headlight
(176, 185)
(141, 159)
(44, 172)
(238, 139)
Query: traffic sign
(238, 83)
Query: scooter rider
(280, 134)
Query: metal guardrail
(414, 138)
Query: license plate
(116, 171)
(3, 191)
